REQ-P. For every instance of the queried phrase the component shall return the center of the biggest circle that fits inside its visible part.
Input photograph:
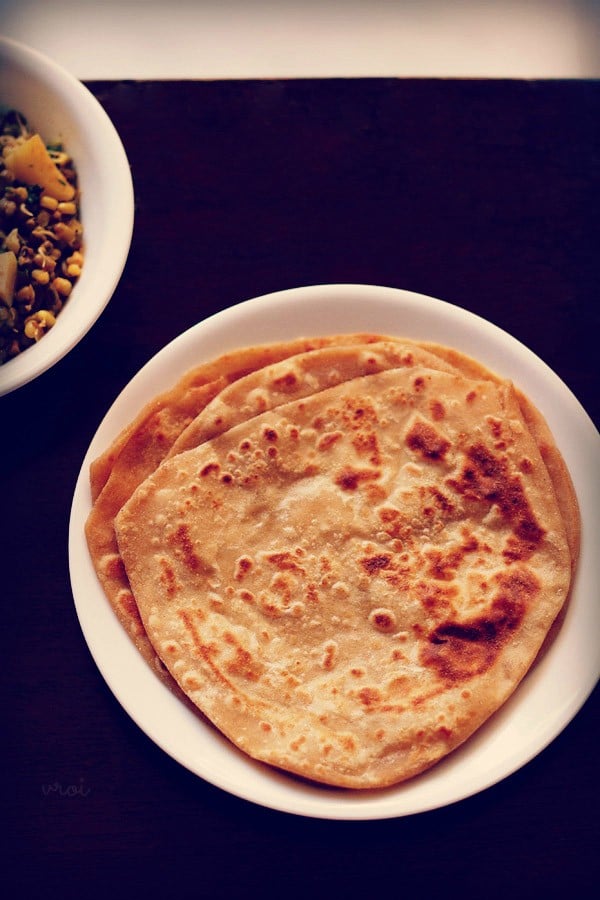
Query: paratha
(141, 446)
(349, 584)
(142, 443)
(204, 403)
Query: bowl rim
(103, 281)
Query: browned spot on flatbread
(328, 659)
(209, 469)
(383, 620)
(284, 561)
(286, 382)
(243, 566)
(443, 564)
(357, 414)
(369, 697)
(311, 594)
(427, 441)
(243, 664)
(366, 444)
(438, 599)
(438, 410)
(441, 500)
(463, 649)
(349, 479)
(168, 579)
(182, 543)
(373, 564)
(328, 440)
(112, 566)
(394, 522)
(486, 478)
(204, 651)
(127, 601)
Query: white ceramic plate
(544, 703)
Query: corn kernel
(62, 286)
(48, 202)
(30, 329)
(40, 275)
(64, 232)
(74, 270)
(37, 324)
(67, 208)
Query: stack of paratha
(346, 552)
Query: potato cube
(30, 163)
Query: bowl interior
(61, 108)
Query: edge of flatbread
(251, 652)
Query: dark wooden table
(482, 193)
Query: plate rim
(308, 800)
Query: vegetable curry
(40, 234)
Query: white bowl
(60, 108)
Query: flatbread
(298, 376)
(142, 443)
(560, 477)
(196, 410)
(216, 395)
(350, 584)
(145, 442)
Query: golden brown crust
(182, 402)
(143, 444)
(349, 584)
(562, 482)
(196, 408)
